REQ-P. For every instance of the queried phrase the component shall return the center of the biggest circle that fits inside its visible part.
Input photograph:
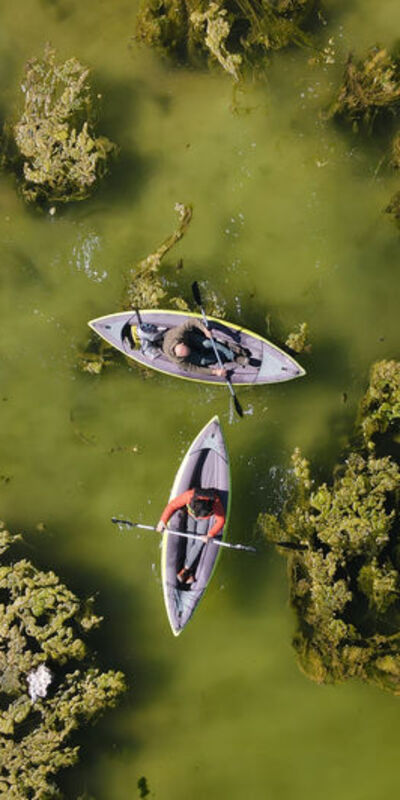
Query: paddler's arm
(173, 505)
(193, 322)
(198, 370)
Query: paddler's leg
(194, 549)
(224, 351)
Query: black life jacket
(201, 505)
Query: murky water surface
(287, 227)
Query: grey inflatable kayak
(205, 465)
(267, 363)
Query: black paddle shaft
(197, 298)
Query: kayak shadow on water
(120, 643)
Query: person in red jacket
(200, 504)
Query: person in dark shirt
(190, 346)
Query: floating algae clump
(44, 695)
(394, 205)
(369, 87)
(298, 340)
(380, 406)
(59, 157)
(145, 287)
(233, 33)
(344, 561)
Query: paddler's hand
(206, 331)
(205, 538)
(160, 526)
(219, 371)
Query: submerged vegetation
(53, 146)
(298, 340)
(145, 287)
(47, 687)
(371, 89)
(343, 554)
(233, 33)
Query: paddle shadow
(61, 10)
(22, 267)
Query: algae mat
(287, 227)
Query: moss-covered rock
(57, 155)
(343, 554)
(42, 630)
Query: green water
(287, 224)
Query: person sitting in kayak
(201, 504)
(190, 346)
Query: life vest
(201, 505)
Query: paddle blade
(238, 407)
(126, 522)
(196, 293)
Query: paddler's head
(182, 350)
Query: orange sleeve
(219, 515)
(176, 502)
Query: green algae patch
(148, 287)
(57, 155)
(97, 355)
(380, 406)
(343, 553)
(235, 34)
(145, 287)
(394, 205)
(298, 340)
(45, 696)
(369, 87)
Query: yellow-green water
(288, 223)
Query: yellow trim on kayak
(197, 316)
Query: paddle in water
(183, 534)
(197, 298)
